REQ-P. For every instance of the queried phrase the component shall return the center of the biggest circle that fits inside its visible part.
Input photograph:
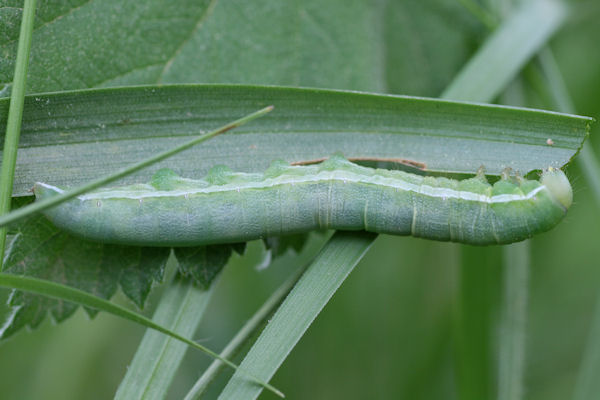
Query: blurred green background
(388, 331)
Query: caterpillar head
(43, 190)
(557, 183)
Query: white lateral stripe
(322, 176)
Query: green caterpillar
(228, 207)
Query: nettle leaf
(203, 263)
(39, 249)
(89, 43)
(279, 245)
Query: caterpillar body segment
(228, 207)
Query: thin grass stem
(15, 115)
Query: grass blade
(481, 13)
(591, 169)
(506, 51)
(55, 290)
(69, 194)
(476, 302)
(243, 335)
(513, 319)
(155, 363)
(483, 78)
(587, 385)
(314, 289)
(15, 114)
(70, 138)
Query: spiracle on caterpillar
(229, 207)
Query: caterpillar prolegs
(228, 207)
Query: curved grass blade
(480, 12)
(506, 51)
(587, 385)
(41, 251)
(15, 114)
(69, 194)
(259, 317)
(314, 289)
(483, 78)
(155, 363)
(55, 290)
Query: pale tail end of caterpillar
(229, 207)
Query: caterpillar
(229, 207)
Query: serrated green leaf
(56, 290)
(40, 250)
(112, 259)
(79, 44)
(113, 39)
(202, 264)
(278, 245)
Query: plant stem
(15, 115)
(69, 194)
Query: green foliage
(39, 249)
(278, 245)
(71, 138)
(204, 263)
(390, 325)
(314, 289)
